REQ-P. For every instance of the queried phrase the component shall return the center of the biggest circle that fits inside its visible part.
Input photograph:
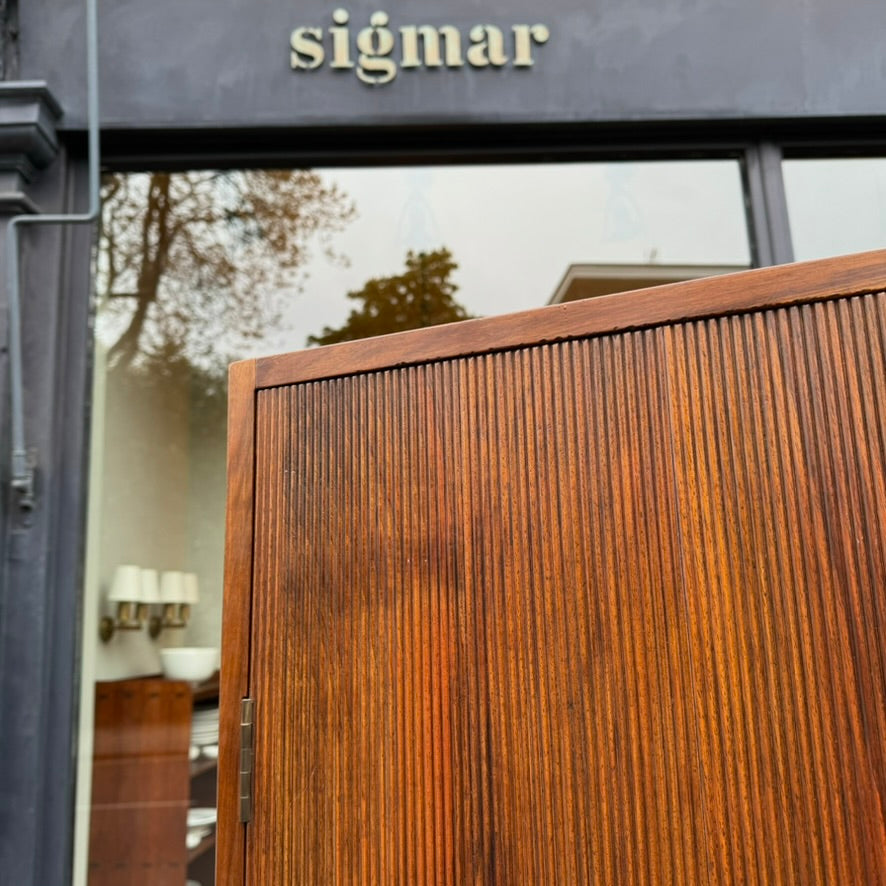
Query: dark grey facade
(223, 63)
(41, 547)
(210, 82)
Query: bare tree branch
(192, 265)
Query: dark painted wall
(40, 572)
(203, 63)
(8, 39)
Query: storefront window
(197, 269)
(836, 206)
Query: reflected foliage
(423, 295)
(195, 265)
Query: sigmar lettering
(376, 53)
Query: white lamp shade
(172, 587)
(191, 588)
(127, 584)
(150, 586)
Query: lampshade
(150, 586)
(127, 584)
(172, 587)
(191, 588)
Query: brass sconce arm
(131, 616)
(175, 615)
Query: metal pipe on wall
(23, 465)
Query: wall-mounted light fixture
(130, 587)
(178, 592)
(135, 591)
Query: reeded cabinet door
(537, 600)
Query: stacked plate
(204, 728)
(201, 821)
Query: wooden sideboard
(143, 784)
(140, 783)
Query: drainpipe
(23, 463)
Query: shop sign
(376, 53)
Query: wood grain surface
(140, 783)
(605, 610)
(236, 615)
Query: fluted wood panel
(779, 446)
(607, 610)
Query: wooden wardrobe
(589, 594)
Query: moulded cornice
(29, 114)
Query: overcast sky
(836, 207)
(514, 230)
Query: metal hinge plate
(247, 727)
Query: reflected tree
(192, 266)
(423, 295)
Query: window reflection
(193, 266)
(196, 269)
(836, 206)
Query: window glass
(196, 269)
(836, 206)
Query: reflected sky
(514, 230)
(836, 207)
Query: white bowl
(192, 663)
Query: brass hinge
(247, 714)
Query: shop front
(278, 178)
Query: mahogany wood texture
(608, 609)
(234, 672)
(140, 783)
